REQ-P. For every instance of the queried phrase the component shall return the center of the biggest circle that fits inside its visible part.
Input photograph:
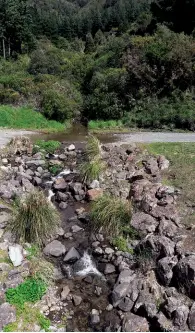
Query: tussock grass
(90, 170)
(110, 214)
(34, 219)
(27, 118)
(93, 149)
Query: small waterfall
(85, 266)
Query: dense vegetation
(126, 60)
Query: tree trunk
(9, 48)
(3, 42)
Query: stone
(163, 324)
(119, 292)
(159, 245)
(94, 184)
(4, 267)
(60, 231)
(126, 276)
(71, 147)
(68, 235)
(72, 255)
(165, 269)
(94, 194)
(144, 223)
(108, 250)
(60, 184)
(76, 300)
(63, 205)
(35, 163)
(98, 291)
(184, 274)
(109, 307)
(191, 318)
(76, 188)
(109, 269)
(134, 323)
(126, 304)
(5, 161)
(28, 187)
(167, 228)
(4, 219)
(37, 181)
(151, 166)
(62, 196)
(163, 163)
(7, 315)
(180, 316)
(94, 317)
(16, 254)
(55, 248)
(65, 292)
(62, 157)
(75, 228)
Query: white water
(85, 266)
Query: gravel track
(149, 137)
(7, 134)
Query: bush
(110, 214)
(49, 146)
(90, 170)
(35, 219)
(31, 290)
(93, 149)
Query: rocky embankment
(150, 287)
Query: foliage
(55, 169)
(35, 219)
(49, 146)
(107, 124)
(90, 170)
(93, 149)
(24, 117)
(110, 214)
(31, 290)
(121, 243)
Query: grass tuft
(49, 146)
(34, 219)
(110, 214)
(90, 170)
(93, 149)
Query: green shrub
(44, 322)
(35, 219)
(110, 214)
(90, 170)
(49, 146)
(55, 169)
(121, 243)
(30, 290)
(93, 149)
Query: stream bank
(150, 287)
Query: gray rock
(159, 245)
(163, 324)
(144, 222)
(35, 163)
(163, 163)
(16, 254)
(27, 185)
(75, 228)
(37, 181)
(184, 274)
(126, 304)
(146, 302)
(4, 161)
(180, 316)
(60, 184)
(94, 184)
(108, 250)
(134, 323)
(167, 228)
(29, 172)
(4, 219)
(7, 315)
(65, 292)
(94, 317)
(62, 157)
(119, 292)
(62, 196)
(63, 205)
(71, 147)
(76, 188)
(126, 276)
(151, 166)
(55, 248)
(76, 300)
(191, 318)
(71, 255)
(165, 269)
(109, 269)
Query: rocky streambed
(149, 286)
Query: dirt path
(149, 137)
(7, 134)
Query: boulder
(94, 194)
(109, 269)
(65, 292)
(167, 228)
(60, 184)
(35, 163)
(63, 205)
(162, 323)
(55, 248)
(60, 196)
(37, 181)
(94, 184)
(180, 316)
(71, 255)
(62, 157)
(191, 318)
(76, 300)
(165, 269)
(184, 275)
(134, 323)
(126, 304)
(144, 222)
(163, 163)
(71, 147)
(75, 228)
(7, 315)
(151, 166)
(75, 188)
(16, 254)
(159, 245)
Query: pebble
(68, 235)
(108, 250)
(65, 292)
(95, 318)
(75, 228)
(76, 300)
(109, 307)
(71, 147)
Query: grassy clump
(27, 118)
(49, 146)
(93, 149)
(55, 169)
(26, 319)
(110, 214)
(34, 219)
(30, 290)
(122, 244)
(105, 125)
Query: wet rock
(163, 163)
(7, 315)
(55, 248)
(94, 184)
(71, 147)
(184, 274)
(72, 255)
(191, 318)
(94, 317)
(16, 254)
(144, 222)
(94, 194)
(126, 304)
(62, 157)
(165, 269)
(65, 292)
(75, 228)
(76, 300)
(134, 323)
(63, 205)
(109, 269)
(60, 184)
(35, 163)
(60, 196)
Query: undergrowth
(49, 146)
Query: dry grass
(34, 219)
(93, 149)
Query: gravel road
(7, 134)
(149, 137)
